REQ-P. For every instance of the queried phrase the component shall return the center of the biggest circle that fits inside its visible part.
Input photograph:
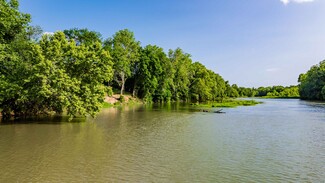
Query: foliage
(12, 22)
(109, 91)
(107, 105)
(20, 91)
(278, 92)
(83, 36)
(122, 98)
(247, 92)
(68, 71)
(235, 103)
(228, 103)
(232, 91)
(205, 84)
(125, 51)
(312, 83)
(53, 76)
(78, 74)
(152, 74)
(181, 63)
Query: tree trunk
(133, 93)
(123, 82)
(134, 88)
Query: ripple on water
(278, 141)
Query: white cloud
(48, 33)
(295, 1)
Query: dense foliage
(270, 92)
(278, 91)
(73, 70)
(68, 71)
(54, 74)
(125, 52)
(312, 83)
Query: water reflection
(42, 120)
(279, 141)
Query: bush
(122, 98)
(109, 91)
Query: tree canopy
(125, 51)
(12, 21)
(83, 36)
(70, 71)
(312, 83)
(54, 74)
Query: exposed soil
(115, 98)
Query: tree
(291, 91)
(12, 21)
(12, 48)
(19, 61)
(200, 88)
(83, 36)
(152, 74)
(231, 91)
(181, 63)
(312, 83)
(54, 76)
(125, 51)
(77, 74)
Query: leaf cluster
(312, 83)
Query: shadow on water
(57, 119)
(42, 120)
(279, 141)
(314, 106)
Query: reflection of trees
(99, 149)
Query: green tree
(12, 22)
(312, 83)
(219, 89)
(201, 83)
(125, 51)
(181, 63)
(151, 73)
(19, 60)
(291, 91)
(231, 91)
(83, 36)
(13, 48)
(54, 76)
(77, 74)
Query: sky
(250, 43)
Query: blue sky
(249, 42)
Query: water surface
(278, 141)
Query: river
(278, 141)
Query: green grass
(131, 102)
(275, 97)
(107, 105)
(228, 103)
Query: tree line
(270, 91)
(73, 70)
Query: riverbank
(118, 100)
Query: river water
(278, 141)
